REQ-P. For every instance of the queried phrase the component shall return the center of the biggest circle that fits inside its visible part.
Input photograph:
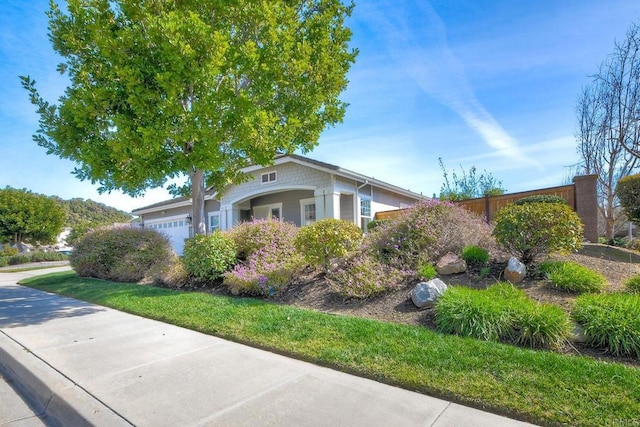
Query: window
(307, 211)
(365, 213)
(268, 177)
(365, 207)
(214, 221)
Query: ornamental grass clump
(572, 277)
(610, 321)
(269, 257)
(501, 312)
(209, 256)
(632, 285)
(475, 255)
(327, 240)
(427, 272)
(532, 230)
(424, 233)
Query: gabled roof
(286, 158)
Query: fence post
(586, 198)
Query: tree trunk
(197, 201)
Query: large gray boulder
(515, 271)
(425, 294)
(451, 264)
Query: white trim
(306, 202)
(272, 190)
(269, 208)
(268, 175)
(212, 214)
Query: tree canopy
(197, 89)
(26, 217)
(468, 185)
(608, 131)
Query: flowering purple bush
(362, 276)
(270, 258)
(249, 237)
(425, 232)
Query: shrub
(123, 254)
(171, 275)
(327, 239)
(628, 189)
(374, 223)
(633, 284)
(19, 259)
(424, 233)
(269, 258)
(249, 237)
(209, 256)
(610, 321)
(266, 272)
(4, 261)
(502, 312)
(535, 229)
(541, 198)
(362, 276)
(47, 256)
(427, 271)
(475, 255)
(572, 277)
(8, 251)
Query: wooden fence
(581, 196)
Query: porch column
(327, 203)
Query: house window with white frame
(268, 177)
(214, 221)
(365, 213)
(308, 211)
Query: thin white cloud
(416, 37)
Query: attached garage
(176, 229)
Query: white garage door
(177, 230)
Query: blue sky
(485, 83)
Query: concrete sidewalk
(82, 364)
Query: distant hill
(81, 211)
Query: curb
(53, 397)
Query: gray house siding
(290, 203)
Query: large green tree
(197, 89)
(26, 217)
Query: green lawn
(538, 386)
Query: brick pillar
(587, 204)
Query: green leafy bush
(475, 255)
(362, 276)
(541, 198)
(628, 190)
(19, 259)
(502, 312)
(123, 254)
(633, 284)
(535, 229)
(427, 271)
(209, 256)
(374, 223)
(327, 239)
(4, 261)
(610, 321)
(425, 232)
(269, 257)
(47, 256)
(572, 277)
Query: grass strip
(537, 386)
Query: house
(295, 189)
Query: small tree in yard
(468, 185)
(629, 193)
(535, 229)
(26, 217)
(198, 89)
